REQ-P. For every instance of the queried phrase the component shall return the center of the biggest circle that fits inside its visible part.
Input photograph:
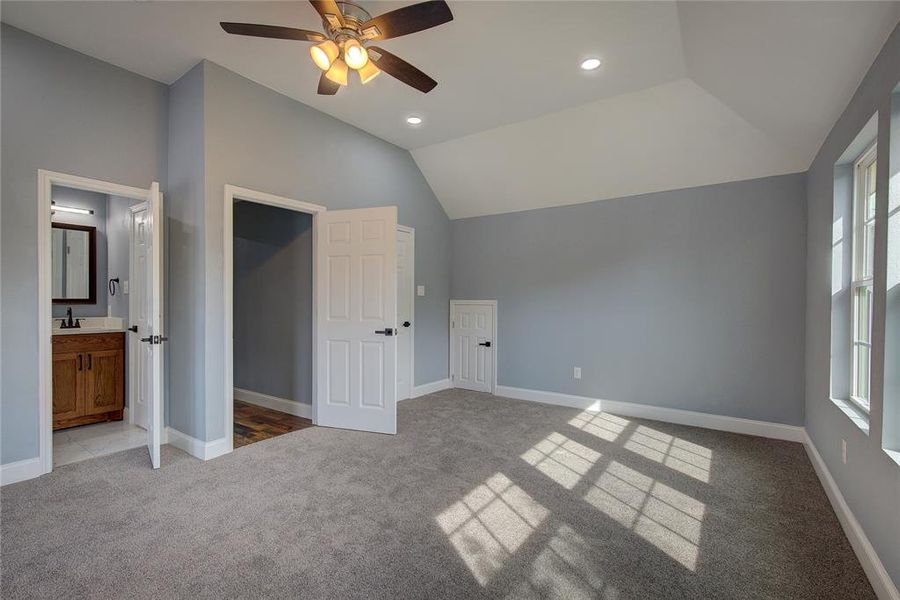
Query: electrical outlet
(844, 451)
(577, 373)
(420, 290)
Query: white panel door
(139, 313)
(405, 265)
(357, 312)
(472, 346)
(152, 342)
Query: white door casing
(46, 180)
(139, 312)
(406, 251)
(473, 344)
(357, 298)
(153, 351)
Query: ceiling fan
(348, 30)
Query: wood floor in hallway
(254, 423)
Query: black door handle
(485, 344)
(79, 362)
(133, 328)
(406, 323)
(90, 363)
(386, 331)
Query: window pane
(863, 314)
(862, 374)
(869, 249)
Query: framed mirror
(74, 271)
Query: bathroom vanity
(88, 377)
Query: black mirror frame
(92, 274)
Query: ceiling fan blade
(400, 69)
(327, 87)
(406, 20)
(273, 31)
(329, 11)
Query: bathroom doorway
(93, 363)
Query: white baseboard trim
(778, 431)
(881, 581)
(430, 388)
(274, 402)
(195, 447)
(21, 470)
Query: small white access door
(356, 369)
(472, 345)
(405, 305)
(139, 299)
(152, 342)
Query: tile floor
(88, 441)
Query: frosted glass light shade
(368, 72)
(324, 54)
(355, 55)
(338, 72)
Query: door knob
(133, 328)
(406, 323)
(386, 331)
(485, 344)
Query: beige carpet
(476, 497)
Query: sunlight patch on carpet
(490, 523)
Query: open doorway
(99, 263)
(354, 314)
(273, 320)
(270, 314)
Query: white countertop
(91, 325)
(83, 329)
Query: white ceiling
(689, 93)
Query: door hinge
(155, 339)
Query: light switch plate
(420, 290)
(125, 287)
(577, 373)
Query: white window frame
(860, 280)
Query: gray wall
(259, 139)
(185, 285)
(118, 242)
(870, 481)
(842, 272)
(55, 103)
(97, 203)
(892, 302)
(273, 301)
(689, 299)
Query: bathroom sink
(91, 325)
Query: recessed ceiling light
(414, 120)
(590, 64)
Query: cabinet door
(68, 385)
(104, 386)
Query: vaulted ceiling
(689, 93)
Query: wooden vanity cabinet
(88, 378)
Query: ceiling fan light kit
(348, 28)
